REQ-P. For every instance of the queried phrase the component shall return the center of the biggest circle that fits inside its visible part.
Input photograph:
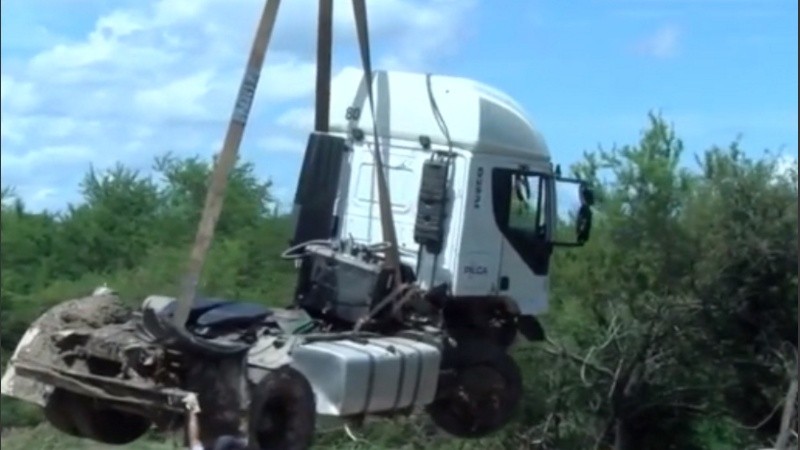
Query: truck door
(522, 208)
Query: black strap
(324, 53)
(392, 260)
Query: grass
(44, 437)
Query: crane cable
(392, 259)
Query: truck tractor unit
(474, 201)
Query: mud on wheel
(481, 393)
(282, 412)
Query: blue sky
(100, 81)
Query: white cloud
(663, 43)
(281, 144)
(44, 194)
(16, 95)
(12, 128)
(51, 154)
(181, 98)
(300, 118)
(162, 75)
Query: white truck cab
(472, 187)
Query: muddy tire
(82, 417)
(57, 412)
(481, 394)
(282, 412)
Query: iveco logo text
(476, 270)
(478, 188)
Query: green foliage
(673, 328)
(134, 233)
(681, 312)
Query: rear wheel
(282, 412)
(482, 394)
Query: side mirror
(583, 224)
(587, 194)
(573, 222)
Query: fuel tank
(373, 375)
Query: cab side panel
(478, 257)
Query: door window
(528, 204)
(520, 201)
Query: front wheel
(282, 412)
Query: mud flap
(531, 328)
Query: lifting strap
(392, 260)
(233, 138)
(224, 163)
(324, 52)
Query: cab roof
(477, 117)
